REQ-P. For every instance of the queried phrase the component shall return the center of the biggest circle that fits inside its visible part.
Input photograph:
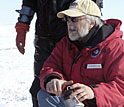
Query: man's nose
(69, 22)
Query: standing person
(48, 31)
(90, 60)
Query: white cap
(80, 8)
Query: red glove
(21, 29)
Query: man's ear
(92, 24)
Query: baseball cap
(80, 8)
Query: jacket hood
(116, 24)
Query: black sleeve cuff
(50, 77)
(92, 102)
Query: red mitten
(21, 29)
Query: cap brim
(71, 13)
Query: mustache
(71, 28)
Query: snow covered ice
(16, 70)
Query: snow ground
(16, 70)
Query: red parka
(101, 66)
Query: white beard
(80, 34)
(84, 31)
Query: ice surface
(16, 70)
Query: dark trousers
(43, 49)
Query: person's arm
(111, 92)
(22, 26)
(52, 67)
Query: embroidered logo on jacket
(96, 52)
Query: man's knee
(41, 94)
(46, 100)
(41, 97)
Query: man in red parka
(90, 59)
(49, 29)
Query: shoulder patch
(96, 52)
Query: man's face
(77, 27)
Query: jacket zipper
(76, 59)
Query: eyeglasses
(73, 19)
